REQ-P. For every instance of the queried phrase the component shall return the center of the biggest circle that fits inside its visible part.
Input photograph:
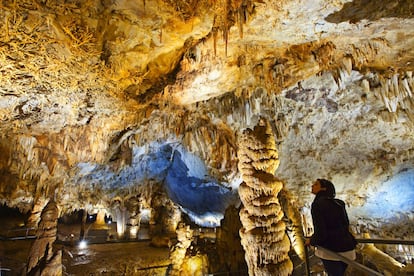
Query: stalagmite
(43, 258)
(133, 205)
(33, 220)
(230, 251)
(121, 218)
(179, 250)
(263, 234)
(100, 217)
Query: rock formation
(178, 254)
(294, 223)
(229, 249)
(99, 99)
(44, 259)
(263, 233)
(381, 260)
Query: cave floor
(126, 258)
(104, 253)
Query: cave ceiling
(99, 99)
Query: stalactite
(396, 91)
(43, 258)
(263, 234)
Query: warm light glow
(133, 231)
(194, 264)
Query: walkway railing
(352, 262)
(20, 234)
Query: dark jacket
(331, 224)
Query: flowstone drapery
(263, 233)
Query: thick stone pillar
(263, 234)
(121, 214)
(231, 253)
(34, 218)
(83, 223)
(134, 209)
(178, 252)
(100, 217)
(43, 258)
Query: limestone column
(263, 234)
(83, 223)
(229, 249)
(100, 217)
(34, 218)
(121, 214)
(179, 250)
(134, 209)
(43, 258)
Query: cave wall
(92, 91)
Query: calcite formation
(383, 262)
(263, 233)
(44, 258)
(294, 223)
(230, 251)
(178, 254)
(88, 87)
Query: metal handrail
(354, 263)
(26, 236)
(350, 262)
(384, 241)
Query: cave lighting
(392, 197)
(83, 244)
(195, 264)
(185, 176)
(133, 232)
(145, 214)
(206, 220)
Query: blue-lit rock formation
(392, 200)
(183, 175)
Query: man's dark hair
(329, 186)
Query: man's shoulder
(339, 202)
(328, 201)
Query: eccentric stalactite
(43, 258)
(263, 233)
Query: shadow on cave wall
(358, 10)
